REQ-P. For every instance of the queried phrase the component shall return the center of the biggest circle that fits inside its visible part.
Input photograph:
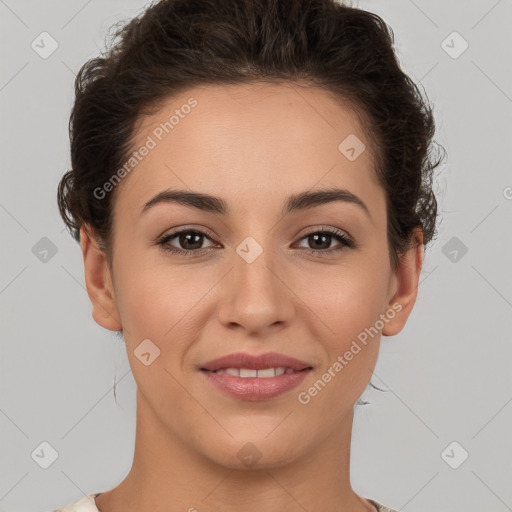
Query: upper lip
(255, 362)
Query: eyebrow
(298, 202)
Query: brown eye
(189, 242)
(320, 241)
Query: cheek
(153, 307)
(347, 298)
(349, 305)
(163, 303)
(150, 293)
(140, 302)
(157, 299)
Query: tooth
(245, 372)
(267, 372)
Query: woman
(251, 188)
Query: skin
(253, 146)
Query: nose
(255, 295)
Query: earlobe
(406, 278)
(98, 282)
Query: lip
(255, 362)
(255, 388)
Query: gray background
(447, 373)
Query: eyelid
(330, 229)
(186, 227)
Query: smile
(249, 372)
(255, 377)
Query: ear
(405, 285)
(99, 282)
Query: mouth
(254, 378)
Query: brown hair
(174, 45)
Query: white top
(87, 504)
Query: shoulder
(380, 507)
(86, 504)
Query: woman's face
(246, 279)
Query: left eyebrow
(298, 202)
(310, 199)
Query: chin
(254, 451)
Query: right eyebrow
(197, 200)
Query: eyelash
(345, 242)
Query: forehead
(252, 144)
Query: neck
(167, 475)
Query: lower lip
(255, 388)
